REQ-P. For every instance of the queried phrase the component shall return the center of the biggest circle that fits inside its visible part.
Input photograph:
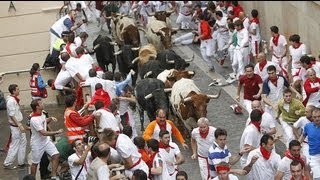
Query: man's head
(271, 72)
(316, 116)
(223, 170)
(139, 174)
(294, 148)
(78, 6)
(78, 145)
(181, 175)
(98, 86)
(255, 115)
(117, 76)
(305, 61)
(203, 124)
(221, 137)
(296, 170)
(127, 130)
(256, 105)
(36, 105)
(287, 95)
(127, 91)
(254, 13)
(108, 136)
(92, 72)
(72, 14)
(311, 74)
(164, 136)
(238, 25)
(294, 39)
(64, 56)
(261, 57)
(274, 30)
(14, 90)
(98, 104)
(153, 145)
(103, 151)
(71, 37)
(241, 15)
(70, 100)
(84, 36)
(249, 70)
(309, 110)
(219, 15)
(161, 116)
(79, 50)
(139, 142)
(108, 75)
(267, 142)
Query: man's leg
(13, 147)
(22, 149)
(33, 169)
(44, 163)
(179, 20)
(287, 132)
(247, 105)
(55, 164)
(204, 169)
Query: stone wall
(292, 17)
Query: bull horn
(96, 46)
(169, 61)
(147, 74)
(113, 43)
(187, 99)
(135, 60)
(148, 96)
(135, 48)
(167, 89)
(170, 12)
(150, 14)
(154, 56)
(191, 72)
(141, 29)
(214, 96)
(174, 29)
(108, 17)
(190, 60)
(117, 53)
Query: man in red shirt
(236, 8)
(252, 87)
(206, 40)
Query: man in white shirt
(241, 51)
(170, 153)
(222, 36)
(278, 48)
(251, 135)
(263, 162)
(105, 117)
(185, 15)
(79, 161)
(40, 142)
(267, 125)
(223, 171)
(293, 153)
(254, 31)
(126, 149)
(262, 64)
(162, 6)
(71, 65)
(18, 136)
(299, 126)
(202, 138)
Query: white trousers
(183, 20)
(231, 54)
(185, 39)
(222, 40)
(287, 132)
(204, 168)
(17, 146)
(206, 51)
(255, 48)
(315, 166)
(305, 151)
(240, 59)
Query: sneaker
(211, 69)
(10, 167)
(232, 75)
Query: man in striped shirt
(219, 152)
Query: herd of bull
(162, 71)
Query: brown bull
(169, 77)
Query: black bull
(105, 53)
(151, 96)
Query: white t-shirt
(243, 38)
(264, 73)
(296, 54)
(300, 123)
(257, 36)
(62, 79)
(223, 26)
(170, 157)
(203, 145)
(183, 7)
(145, 8)
(110, 87)
(267, 122)
(250, 136)
(38, 123)
(77, 41)
(284, 166)
(108, 120)
(246, 23)
(281, 48)
(262, 168)
(158, 161)
(162, 6)
(13, 109)
(124, 8)
(231, 177)
(71, 66)
(85, 63)
(74, 169)
(92, 81)
(126, 148)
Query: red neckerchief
(68, 47)
(222, 168)
(275, 39)
(297, 46)
(34, 114)
(257, 125)
(163, 126)
(262, 111)
(274, 80)
(240, 29)
(266, 154)
(17, 99)
(262, 64)
(303, 178)
(289, 155)
(52, 86)
(256, 20)
(145, 2)
(98, 68)
(204, 134)
(164, 146)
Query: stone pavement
(219, 112)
